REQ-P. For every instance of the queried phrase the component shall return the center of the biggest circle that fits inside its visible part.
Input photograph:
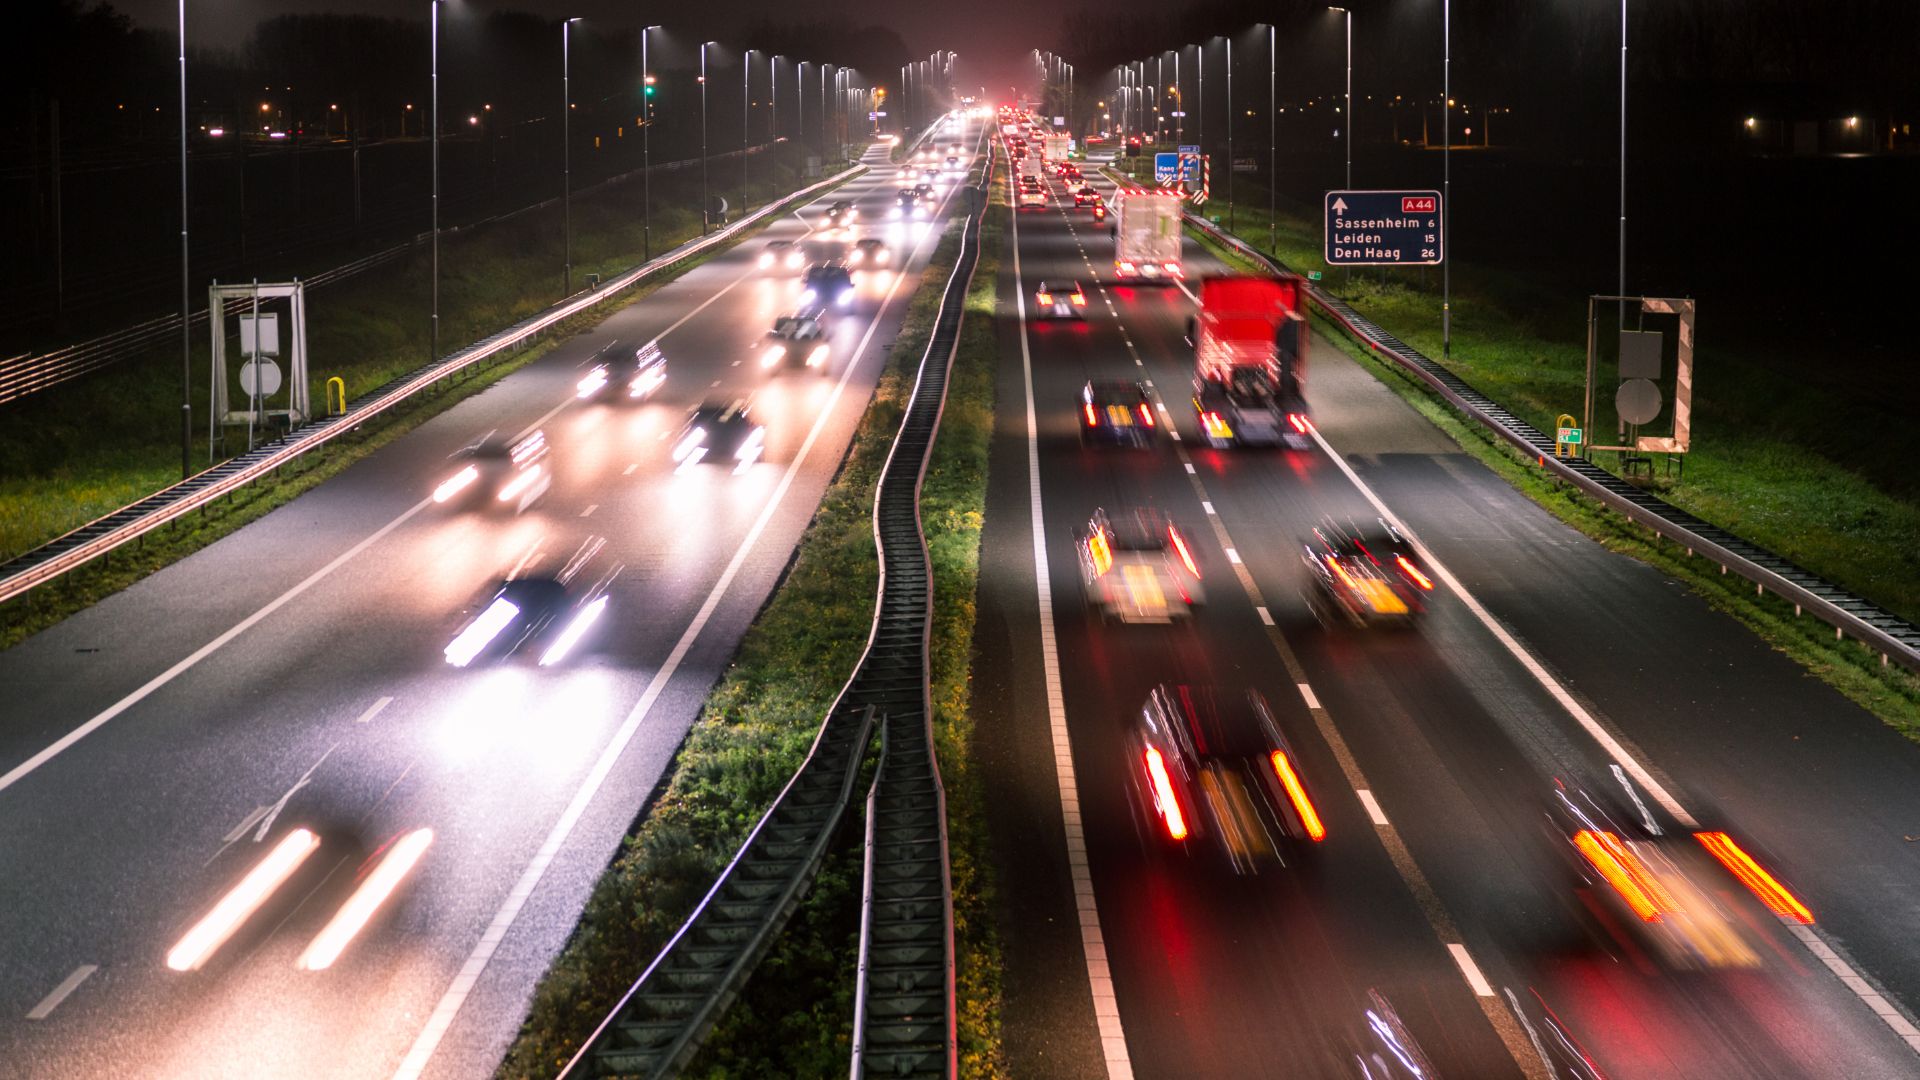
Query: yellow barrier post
(340, 384)
(1567, 437)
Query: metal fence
(99, 537)
(1895, 639)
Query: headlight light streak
(461, 651)
(359, 908)
(454, 484)
(242, 900)
(573, 633)
(520, 483)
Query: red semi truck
(1250, 361)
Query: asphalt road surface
(165, 749)
(1434, 754)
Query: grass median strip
(1891, 693)
(795, 1015)
(58, 480)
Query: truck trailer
(1250, 361)
(1146, 234)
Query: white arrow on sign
(1339, 205)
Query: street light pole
(1446, 178)
(1623, 164)
(1230, 169)
(1348, 12)
(186, 333)
(646, 149)
(566, 146)
(1273, 159)
(746, 102)
(434, 118)
(704, 199)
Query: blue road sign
(1383, 228)
(1189, 150)
(1166, 168)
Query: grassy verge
(1771, 461)
(751, 736)
(43, 493)
(1893, 694)
(75, 453)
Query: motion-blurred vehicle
(781, 255)
(625, 378)
(841, 214)
(542, 613)
(1031, 196)
(1250, 361)
(1100, 211)
(1146, 234)
(498, 472)
(1060, 300)
(908, 173)
(1140, 569)
(1663, 884)
(1116, 411)
(869, 251)
(720, 434)
(827, 283)
(910, 205)
(796, 339)
(1085, 195)
(925, 191)
(1219, 771)
(1364, 575)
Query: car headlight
(773, 355)
(845, 298)
(808, 296)
(766, 259)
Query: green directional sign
(1571, 435)
(1313, 275)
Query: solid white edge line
(415, 1062)
(1106, 1011)
(60, 993)
(1374, 813)
(1882, 1006)
(1470, 969)
(21, 770)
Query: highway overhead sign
(1190, 150)
(1166, 168)
(1383, 228)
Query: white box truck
(1146, 233)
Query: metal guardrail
(130, 522)
(657, 1027)
(31, 373)
(1893, 638)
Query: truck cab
(1250, 361)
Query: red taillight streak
(1180, 545)
(1754, 877)
(1623, 870)
(1297, 794)
(1413, 572)
(1299, 422)
(1163, 794)
(1146, 416)
(1091, 421)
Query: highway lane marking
(591, 507)
(441, 1020)
(1189, 466)
(1374, 813)
(1204, 505)
(1306, 690)
(1106, 1012)
(1470, 969)
(1233, 556)
(628, 471)
(60, 993)
(373, 710)
(1266, 616)
(25, 768)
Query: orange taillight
(1624, 871)
(1297, 794)
(1091, 419)
(1754, 877)
(1413, 572)
(1180, 545)
(1163, 794)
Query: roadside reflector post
(337, 384)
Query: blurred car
(869, 251)
(908, 173)
(1060, 300)
(498, 472)
(625, 378)
(720, 433)
(1085, 195)
(1140, 569)
(826, 283)
(1364, 575)
(841, 214)
(1662, 885)
(925, 191)
(1219, 771)
(909, 205)
(796, 339)
(1116, 411)
(541, 613)
(781, 255)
